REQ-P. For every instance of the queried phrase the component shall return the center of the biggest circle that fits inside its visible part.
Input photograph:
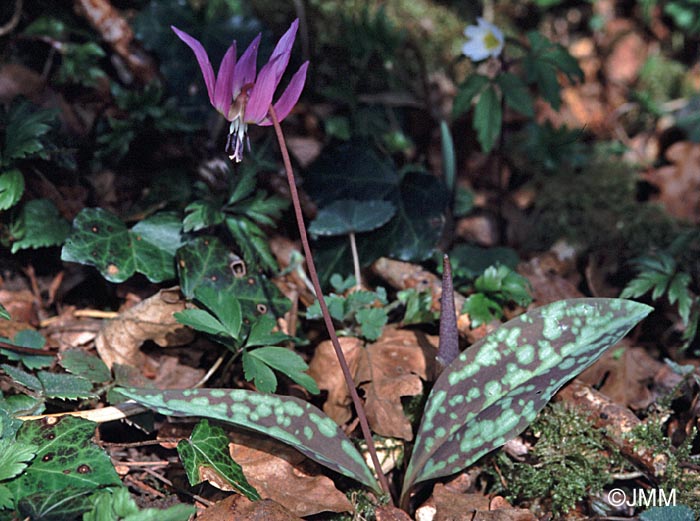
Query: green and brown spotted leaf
(285, 418)
(206, 262)
(205, 456)
(66, 458)
(495, 388)
(102, 240)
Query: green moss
(570, 461)
(596, 207)
(677, 474)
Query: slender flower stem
(359, 408)
(355, 261)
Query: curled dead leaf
(120, 339)
(279, 472)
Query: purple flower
(238, 95)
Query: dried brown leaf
(679, 183)
(240, 508)
(390, 369)
(120, 339)
(282, 474)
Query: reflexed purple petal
(290, 96)
(202, 59)
(284, 47)
(262, 92)
(224, 85)
(245, 70)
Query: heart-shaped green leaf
(285, 418)
(349, 215)
(495, 388)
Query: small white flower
(485, 40)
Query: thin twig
(359, 408)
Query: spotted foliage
(496, 387)
(285, 418)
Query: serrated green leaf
(11, 188)
(494, 389)
(78, 362)
(66, 458)
(470, 261)
(22, 377)
(515, 93)
(25, 126)
(115, 503)
(14, 457)
(207, 447)
(224, 305)
(488, 118)
(262, 333)
(372, 322)
(64, 386)
(678, 292)
(5, 498)
(467, 92)
(258, 372)
(285, 418)
(200, 215)
(481, 309)
(33, 340)
(288, 363)
(206, 262)
(39, 225)
(100, 239)
(349, 215)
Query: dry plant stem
(359, 408)
(355, 261)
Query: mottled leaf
(495, 388)
(66, 458)
(207, 451)
(207, 262)
(285, 418)
(56, 505)
(100, 239)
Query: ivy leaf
(66, 457)
(488, 117)
(286, 362)
(494, 389)
(206, 452)
(285, 418)
(39, 225)
(100, 239)
(11, 188)
(206, 262)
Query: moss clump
(570, 461)
(678, 474)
